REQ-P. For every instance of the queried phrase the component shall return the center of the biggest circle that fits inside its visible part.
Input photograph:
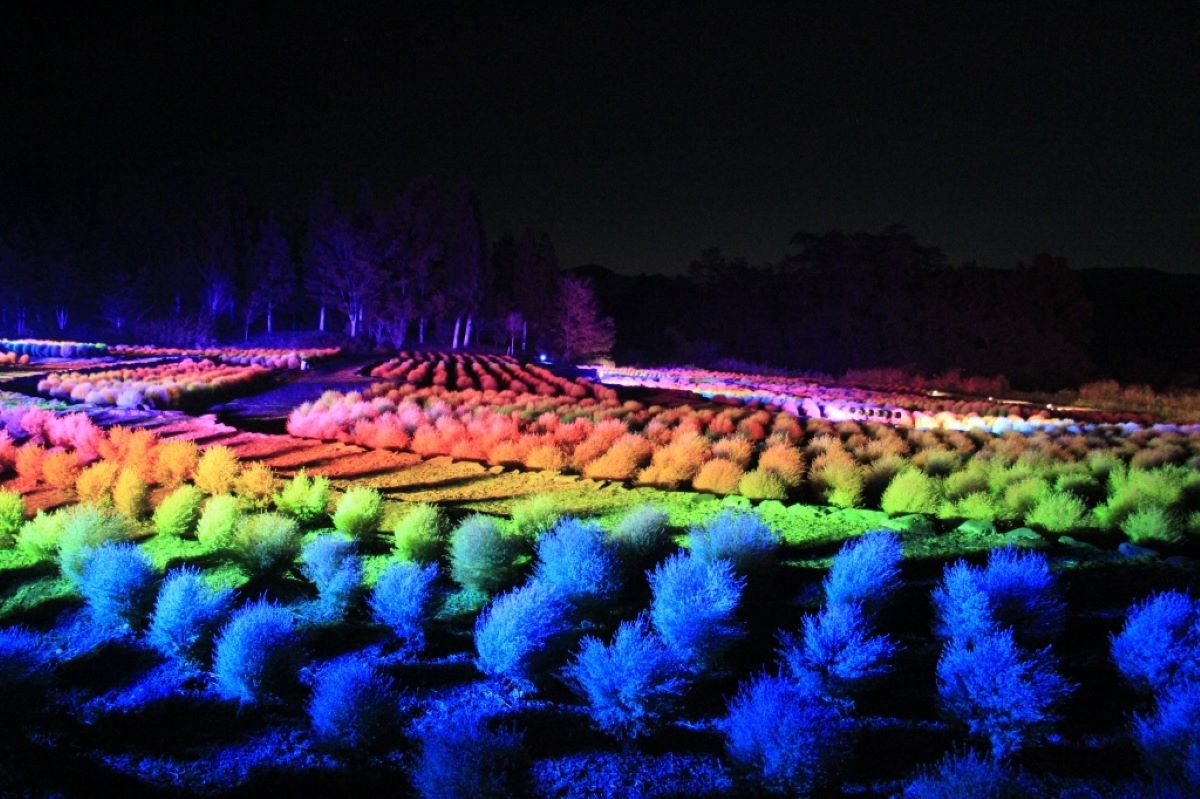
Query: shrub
(517, 634)
(735, 449)
(1153, 524)
(762, 484)
(1160, 642)
(641, 536)
(219, 519)
(1057, 513)
(23, 655)
(12, 513)
(1167, 737)
(741, 537)
(718, 476)
(785, 735)
(840, 483)
(535, 516)
(117, 583)
(631, 684)
(622, 460)
(177, 514)
(574, 558)
(459, 757)
(60, 469)
(130, 494)
(352, 704)
(403, 601)
(911, 491)
(217, 471)
(838, 646)
(254, 652)
(1020, 497)
(1017, 590)
(175, 461)
(29, 463)
(961, 605)
(965, 775)
(267, 542)
(419, 533)
(39, 536)
(693, 607)
(481, 556)
(358, 511)
(256, 485)
(304, 499)
(330, 563)
(977, 505)
(186, 613)
(785, 461)
(865, 571)
(83, 528)
(1002, 694)
(95, 483)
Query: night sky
(634, 138)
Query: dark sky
(638, 138)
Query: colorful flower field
(483, 373)
(172, 385)
(269, 358)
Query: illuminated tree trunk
(270, 316)
(321, 323)
(457, 327)
(467, 335)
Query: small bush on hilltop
(1001, 693)
(1160, 642)
(304, 499)
(217, 471)
(865, 571)
(118, 584)
(179, 511)
(785, 735)
(693, 608)
(630, 684)
(741, 537)
(911, 491)
(186, 614)
(718, 476)
(535, 516)
(254, 652)
(358, 512)
(575, 559)
(460, 757)
(266, 542)
(219, 519)
(83, 528)
(518, 634)
(330, 563)
(12, 513)
(420, 533)
(403, 601)
(352, 704)
(481, 556)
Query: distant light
(544, 358)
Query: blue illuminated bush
(82, 528)
(641, 536)
(1002, 694)
(1160, 643)
(785, 735)
(403, 600)
(358, 511)
(460, 757)
(1168, 740)
(519, 634)
(693, 608)
(254, 652)
(865, 571)
(741, 537)
(630, 684)
(961, 606)
(118, 584)
(1016, 589)
(23, 656)
(837, 645)
(481, 556)
(966, 775)
(352, 704)
(186, 614)
(575, 559)
(330, 563)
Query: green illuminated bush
(1057, 513)
(535, 516)
(177, 514)
(977, 505)
(39, 536)
(219, 519)
(641, 536)
(267, 542)
(358, 512)
(911, 491)
(304, 499)
(420, 533)
(1153, 525)
(481, 556)
(83, 528)
(841, 483)
(12, 513)
(762, 484)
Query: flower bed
(172, 385)
(482, 372)
(270, 358)
(43, 348)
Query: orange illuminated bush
(130, 448)
(29, 463)
(718, 476)
(678, 462)
(597, 443)
(622, 460)
(95, 483)
(785, 461)
(60, 468)
(256, 484)
(175, 461)
(548, 457)
(736, 449)
(130, 494)
(217, 471)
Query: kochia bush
(641, 536)
(481, 556)
(177, 514)
(911, 491)
(419, 534)
(865, 571)
(838, 646)
(304, 499)
(82, 529)
(186, 614)
(740, 537)
(267, 542)
(330, 563)
(1160, 642)
(358, 511)
(1167, 738)
(535, 516)
(217, 471)
(219, 519)
(519, 634)
(403, 600)
(118, 584)
(575, 559)
(254, 652)
(461, 757)
(693, 608)
(352, 704)
(1018, 591)
(12, 513)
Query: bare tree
(580, 332)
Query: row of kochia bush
(805, 395)
(271, 358)
(787, 730)
(164, 386)
(13, 359)
(1143, 483)
(463, 372)
(44, 348)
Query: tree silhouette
(580, 332)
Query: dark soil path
(267, 410)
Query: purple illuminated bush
(352, 704)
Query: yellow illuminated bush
(762, 484)
(130, 494)
(737, 449)
(785, 461)
(60, 468)
(256, 485)
(718, 476)
(175, 461)
(95, 483)
(547, 457)
(217, 471)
